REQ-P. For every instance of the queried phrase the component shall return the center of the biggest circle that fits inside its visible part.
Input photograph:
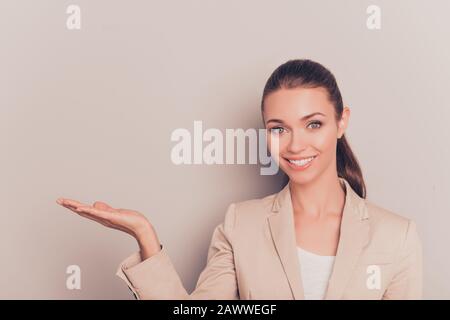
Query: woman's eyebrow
(301, 119)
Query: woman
(318, 238)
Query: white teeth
(301, 162)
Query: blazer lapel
(281, 222)
(354, 235)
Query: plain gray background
(88, 114)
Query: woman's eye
(276, 130)
(315, 124)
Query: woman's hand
(132, 222)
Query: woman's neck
(320, 198)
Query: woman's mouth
(300, 164)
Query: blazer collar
(354, 235)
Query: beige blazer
(253, 255)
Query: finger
(95, 218)
(70, 202)
(105, 223)
(71, 208)
(95, 212)
(90, 215)
(87, 212)
(81, 213)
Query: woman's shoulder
(381, 215)
(390, 227)
(250, 211)
(256, 206)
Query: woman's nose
(296, 143)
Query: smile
(301, 163)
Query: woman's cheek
(325, 141)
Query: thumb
(102, 206)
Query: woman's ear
(343, 122)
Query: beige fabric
(253, 255)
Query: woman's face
(303, 122)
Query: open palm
(129, 221)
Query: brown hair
(309, 74)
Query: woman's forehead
(297, 102)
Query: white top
(315, 271)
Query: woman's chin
(299, 177)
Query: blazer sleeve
(407, 283)
(156, 278)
